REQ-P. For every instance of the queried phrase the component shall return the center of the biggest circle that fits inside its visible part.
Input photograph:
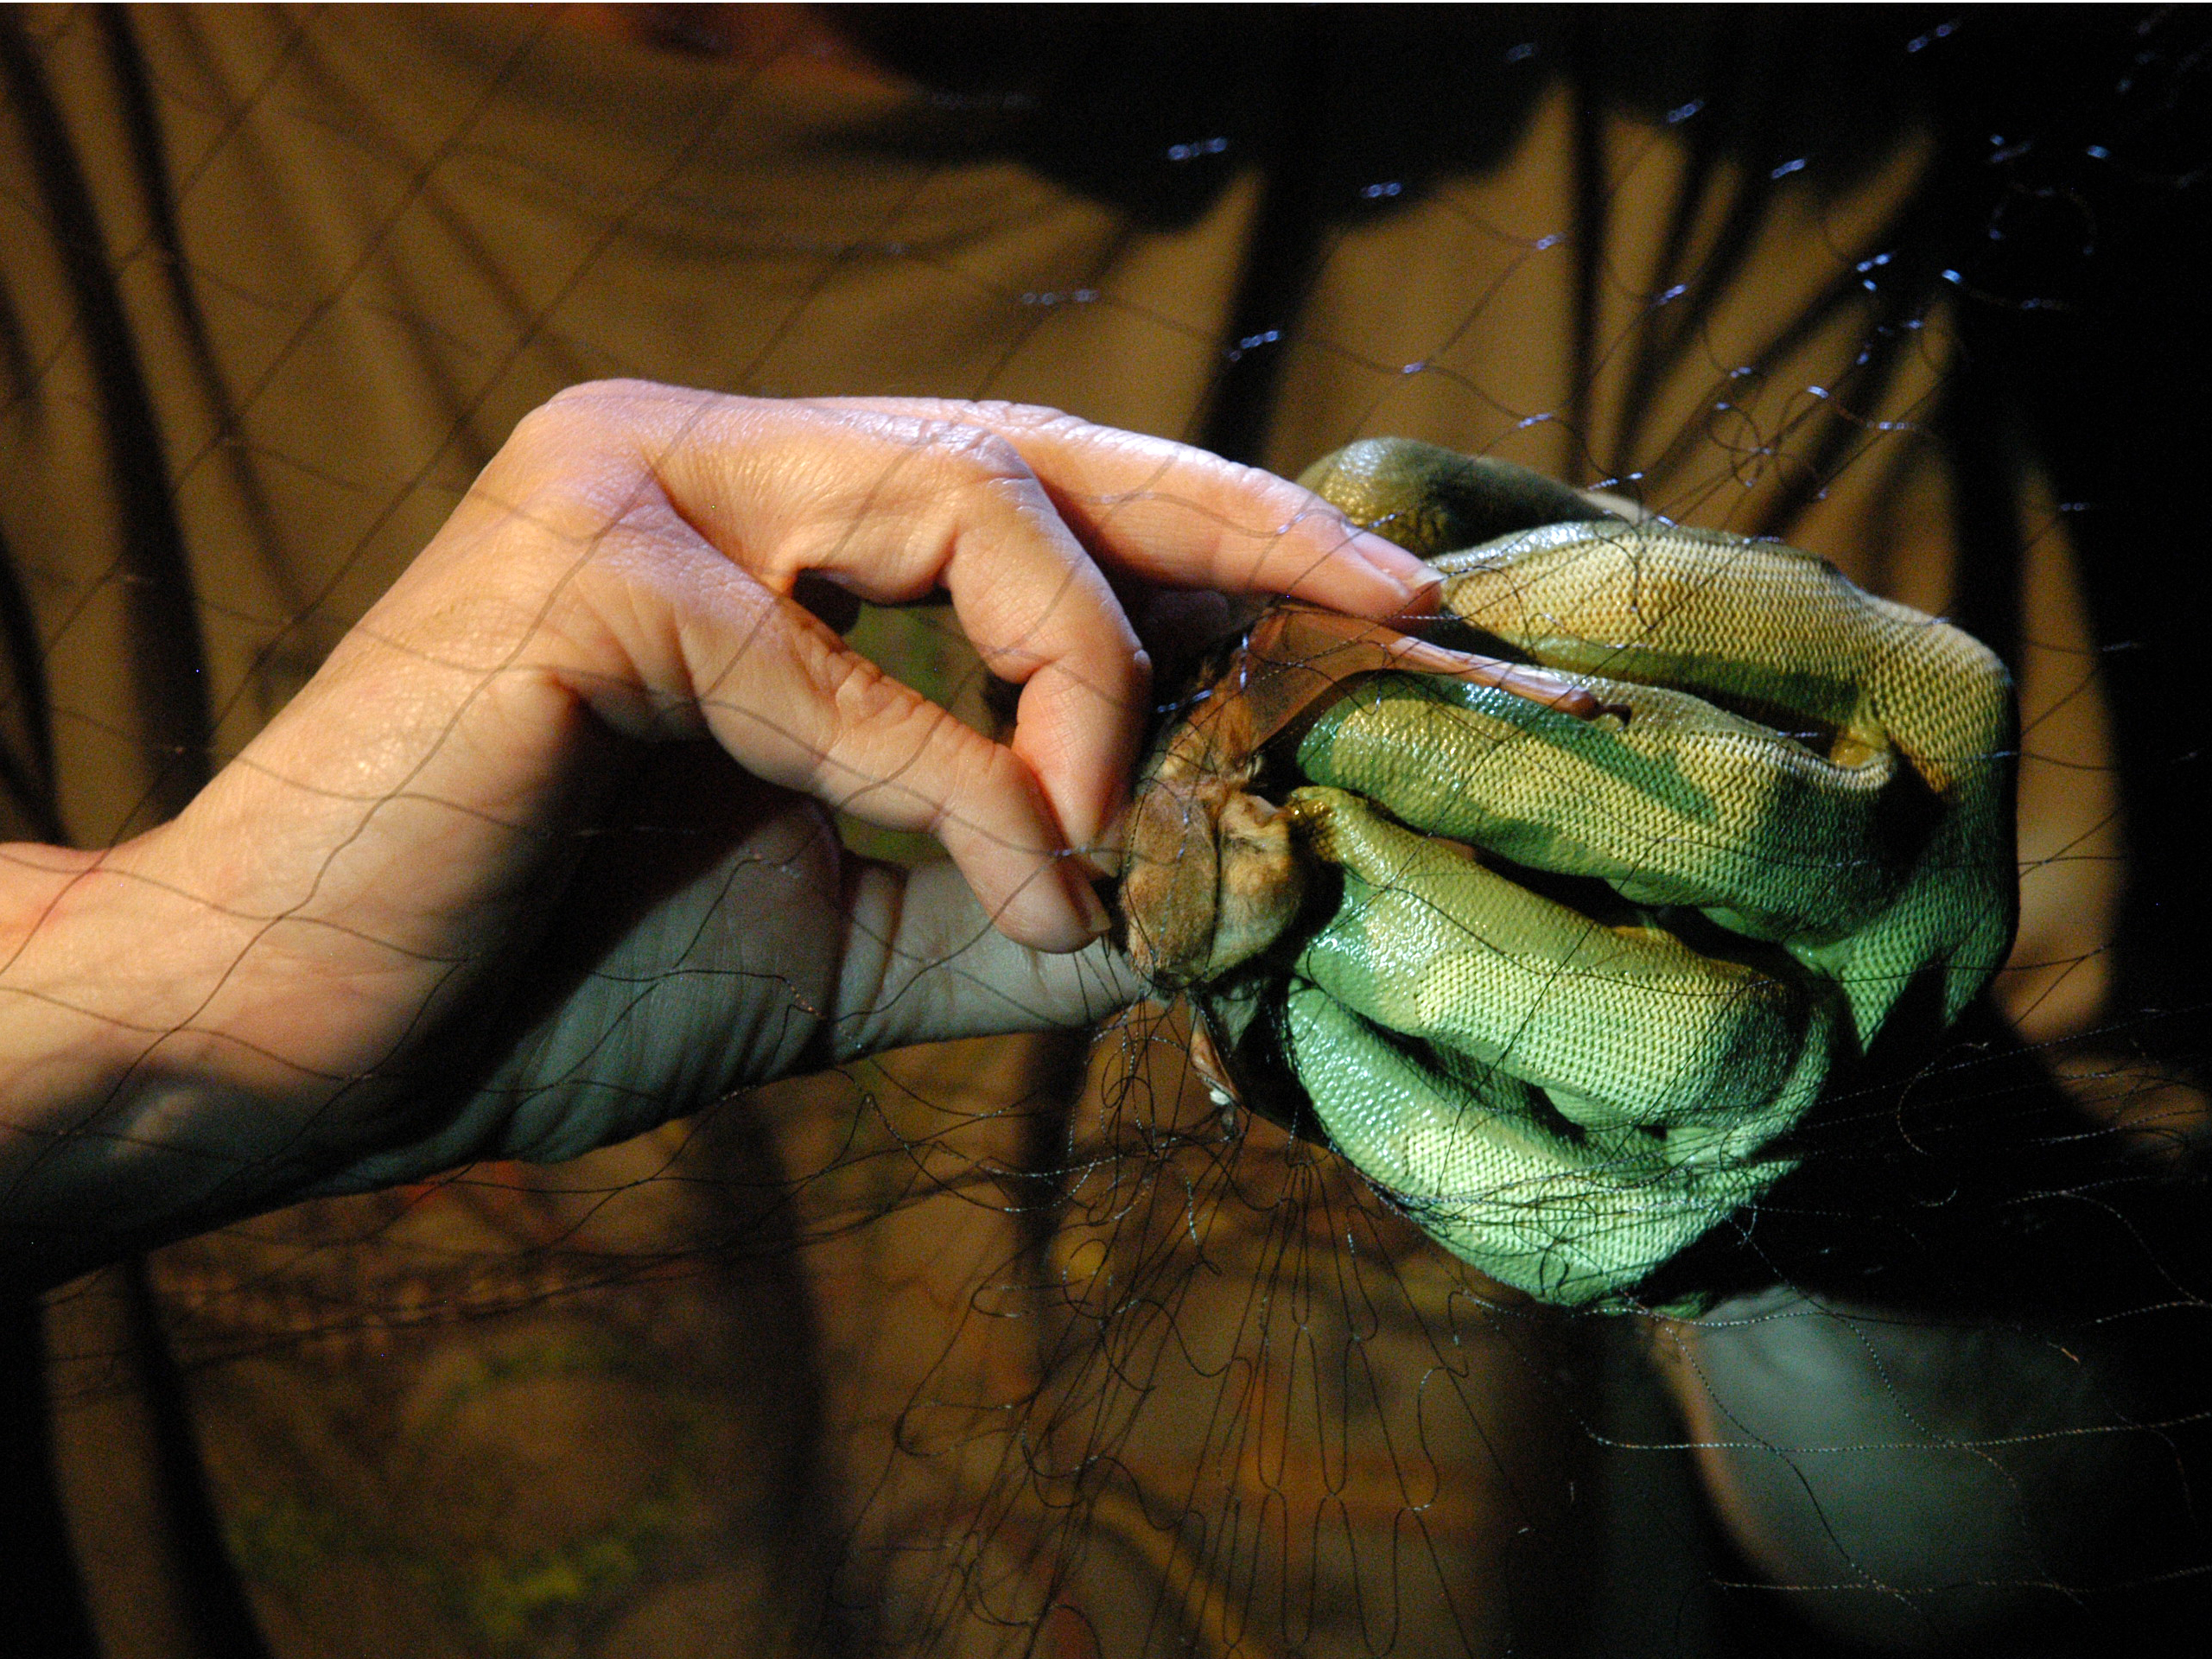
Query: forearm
(122, 1111)
(1920, 1481)
(136, 1110)
(173, 1050)
(1981, 1372)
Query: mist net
(1641, 1196)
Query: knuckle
(615, 407)
(1241, 476)
(577, 412)
(979, 778)
(1023, 417)
(601, 407)
(987, 458)
(583, 462)
(1281, 505)
(562, 436)
(915, 743)
(599, 393)
(859, 694)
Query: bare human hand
(540, 858)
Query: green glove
(1584, 974)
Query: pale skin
(390, 936)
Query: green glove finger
(1431, 501)
(1781, 636)
(1752, 626)
(1619, 1026)
(1685, 804)
(1468, 1151)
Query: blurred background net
(1024, 1346)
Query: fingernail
(1416, 580)
(1087, 903)
(1103, 857)
(1098, 860)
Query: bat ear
(1431, 501)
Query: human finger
(1752, 626)
(923, 962)
(1781, 636)
(1172, 514)
(1145, 507)
(796, 706)
(1430, 500)
(895, 508)
(776, 491)
(895, 502)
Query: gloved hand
(1584, 974)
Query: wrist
(124, 1113)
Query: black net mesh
(1026, 1344)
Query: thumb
(923, 962)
